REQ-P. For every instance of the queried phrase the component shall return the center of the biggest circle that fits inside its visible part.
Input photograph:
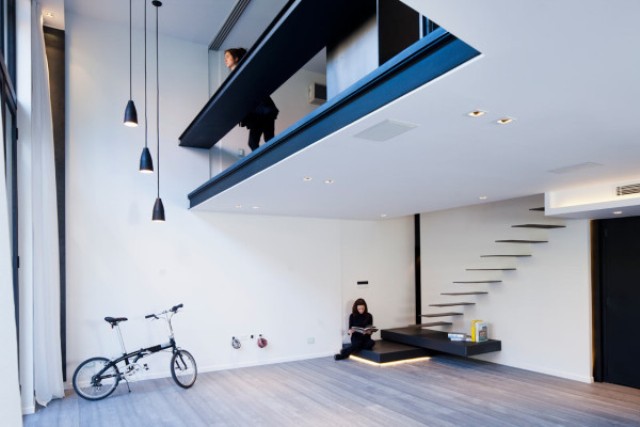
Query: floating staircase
(435, 341)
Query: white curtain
(10, 413)
(47, 358)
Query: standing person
(260, 121)
(359, 317)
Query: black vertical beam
(55, 48)
(416, 228)
(597, 239)
(398, 28)
(11, 39)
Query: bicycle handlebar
(173, 309)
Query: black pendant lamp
(158, 207)
(146, 162)
(130, 113)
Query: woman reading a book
(360, 328)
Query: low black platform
(387, 351)
(438, 340)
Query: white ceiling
(195, 20)
(566, 71)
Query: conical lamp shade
(146, 162)
(158, 210)
(131, 114)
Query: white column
(25, 235)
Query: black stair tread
(521, 241)
(389, 351)
(464, 293)
(430, 324)
(541, 209)
(439, 341)
(505, 255)
(492, 269)
(478, 281)
(538, 226)
(450, 313)
(450, 304)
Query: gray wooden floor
(442, 391)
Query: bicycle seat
(113, 321)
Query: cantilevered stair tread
(540, 209)
(389, 351)
(438, 341)
(492, 269)
(464, 293)
(539, 226)
(478, 281)
(521, 241)
(430, 324)
(449, 313)
(451, 304)
(505, 255)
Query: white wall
(542, 311)
(382, 253)
(237, 275)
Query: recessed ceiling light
(255, 207)
(383, 215)
(617, 212)
(476, 113)
(482, 197)
(504, 121)
(307, 178)
(238, 206)
(329, 181)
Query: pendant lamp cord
(158, 100)
(146, 133)
(130, 54)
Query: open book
(365, 330)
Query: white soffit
(604, 200)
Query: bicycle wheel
(183, 368)
(92, 381)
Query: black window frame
(8, 106)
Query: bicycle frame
(135, 356)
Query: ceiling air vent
(628, 189)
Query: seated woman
(359, 317)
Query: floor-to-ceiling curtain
(10, 413)
(47, 356)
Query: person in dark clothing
(260, 121)
(359, 317)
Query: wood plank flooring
(442, 391)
